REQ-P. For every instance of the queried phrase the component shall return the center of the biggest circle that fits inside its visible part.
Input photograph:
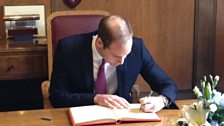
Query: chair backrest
(67, 23)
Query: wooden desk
(60, 117)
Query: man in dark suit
(78, 58)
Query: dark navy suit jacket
(72, 82)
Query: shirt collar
(96, 56)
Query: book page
(91, 114)
(135, 114)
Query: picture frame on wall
(24, 20)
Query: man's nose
(121, 60)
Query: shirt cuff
(166, 101)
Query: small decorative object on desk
(209, 110)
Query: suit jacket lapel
(121, 79)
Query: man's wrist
(95, 99)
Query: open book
(94, 114)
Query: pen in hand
(143, 102)
(150, 94)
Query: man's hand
(152, 104)
(111, 101)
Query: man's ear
(99, 42)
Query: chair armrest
(45, 85)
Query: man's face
(116, 53)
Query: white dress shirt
(110, 71)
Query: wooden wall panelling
(1, 21)
(171, 38)
(204, 39)
(219, 44)
(165, 25)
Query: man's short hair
(114, 28)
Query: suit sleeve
(158, 80)
(60, 91)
